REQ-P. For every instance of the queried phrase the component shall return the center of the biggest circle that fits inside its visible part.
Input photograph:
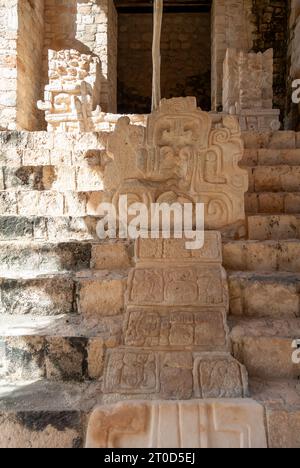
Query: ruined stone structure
(147, 343)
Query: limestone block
(194, 424)
(184, 328)
(73, 92)
(179, 157)
(173, 286)
(65, 358)
(110, 256)
(102, 296)
(41, 429)
(175, 250)
(248, 89)
(173, 374)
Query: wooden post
(156, 55)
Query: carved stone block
(174, 375)
(176, 328)
(201, 286)
(193, 424)
(180, 158)
(72, 96)
(174, 250)
(248, 89)
(130, 372)
(219, 377)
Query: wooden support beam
(156, 53)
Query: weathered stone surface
(111, 256)
(31, 429)
(248, 89)
(185, 286)
(144, 161)
(194, 424)
(173, 375)
(102, 295)
(175, 250)
(176, 328)
(73, 91)
(264, 295)
(43, 258)
(265, 347)
(37, 296)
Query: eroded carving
(174, 374)
(183, 286)
(219, 377)
(167, 250)
(193, 424)
(248, 89)
(175, 328)
(71, 101)
(180, 157)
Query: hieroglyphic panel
(168, 250)
(132, 372)
(173, 374)
(175, 328)
(219, 377)
(182, 424)
(182, 286)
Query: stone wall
(30, 53)
(8, 63)
(89, 27)
(21, 33)
(186, 59)
(271, 31)
(292, 110)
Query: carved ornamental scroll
(180, 157)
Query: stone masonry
(120, 342)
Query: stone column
(231, 28)
(20, 61)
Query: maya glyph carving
(179, 157)
(72, 95)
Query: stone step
(50, 203)
(273, 227)
(281, 399)
(265, 295)
(46, 414)
(271, 157)
(56, 348)
(48, 228)
(36, 258)
(272, 140)
(272, 202)
(94, 294)
(56, 178)
(17, 258)
(274, 179)
(262, 256)
(45, 148)
(264, 346)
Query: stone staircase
(62, 290)
(264, 275)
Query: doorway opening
(185, 51)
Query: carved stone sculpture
(180, 157)
(193, 424)
(175, 330)
(72, 95)
(248, 89)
